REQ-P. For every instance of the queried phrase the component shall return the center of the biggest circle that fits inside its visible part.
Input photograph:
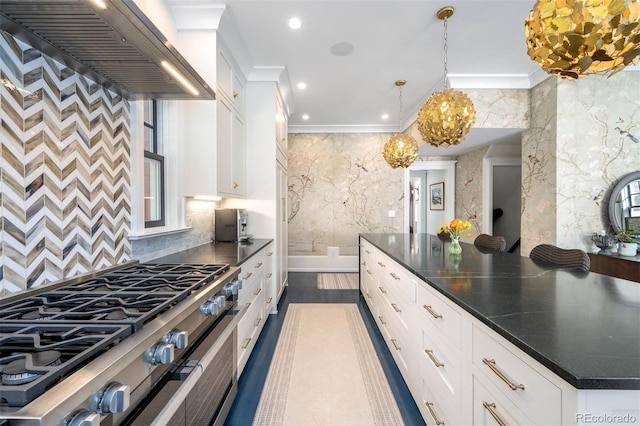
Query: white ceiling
(392, 40)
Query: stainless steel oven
(143, 344)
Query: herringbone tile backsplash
(65, 167)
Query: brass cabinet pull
(491, 363)
(395, 277)
(269, 275)
(382, 320)
(433, 413)
(382, 290)
(433, 358)
(235, 94)
(235, 184)
(395, 307)
(432, 312)
(258, 265)
(382, 265)
(364, 263)
(369, 272)
(395, 345)
(495, 415)
(257, 291)
(246, 345)
(269, 300)
(367, 251)
(257, 323)
(246, 277)
(369, 296)
(270, 254)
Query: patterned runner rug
(325, 371)
(338, 281)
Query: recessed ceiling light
(295, 23)
(302, 85)
(305, 117)
(342, 49)
(385, 116)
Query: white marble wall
(340, 186)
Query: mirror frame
(624, 181)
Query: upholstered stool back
(497, 243)
(568, 258)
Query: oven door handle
(179, 397)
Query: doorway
(502, 197)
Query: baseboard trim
(322, 264)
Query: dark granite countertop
(234, 254)
(585, 327)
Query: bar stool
(497, 242)
(567, 258)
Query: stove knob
(84, 418)
(114, 399)
(177, 338)
(220, 301)
(209, 308)
(232, 288)
(160, 353)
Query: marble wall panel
(469, 191)
(340, 186)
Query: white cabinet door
(231, 151)
(281, 227)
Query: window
(154, 191)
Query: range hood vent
(118, 47)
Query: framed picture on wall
(436, 196)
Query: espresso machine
(231, 225)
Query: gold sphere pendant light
(575, 38)
(401, 149)
(447, 116)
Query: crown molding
(360, 128)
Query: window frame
(156, 156)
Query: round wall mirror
(624, 204)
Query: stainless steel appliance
(231, 225)
(144, 344)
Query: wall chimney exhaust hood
(117, 46)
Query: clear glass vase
(454, 247)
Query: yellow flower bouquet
(454, 229)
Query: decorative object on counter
(496, 242)
(575, 38)
(455, 228)
(565, 258)
(627, 245)
(622, 196)
(447, 116)
(401, 149)
(604, 242)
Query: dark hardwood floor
(302, 289)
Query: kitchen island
(574, 336)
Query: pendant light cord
(446, 80)
(400, 123)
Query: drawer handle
(235, 94)
(367, 251)
(382, 290)
(382, 320)
(270, 254)
(246, 345)
(269, 300)
(235, 185)
(246, 277)
(258, 265)
(395, 277)
(432, 312)
(490, 408)
(363, 263)
(257, 323)
(382, 265)
(269, 275)
(395, 308)
(369, 272)
(258, 291)
(433, 413)
(491, 363)
(369, 296)
(433, 358)
(395, 345)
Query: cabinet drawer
(439, 314)
(538, 398)
(440, 368)
(249, 329)
(397, 279)
(252, 276)
(396, 339)
(432, 409)
(491, 408)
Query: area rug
(325, 371)
(338, 281)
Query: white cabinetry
(458, 370)
(251, 295)
(267, 182)
(231, 128)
